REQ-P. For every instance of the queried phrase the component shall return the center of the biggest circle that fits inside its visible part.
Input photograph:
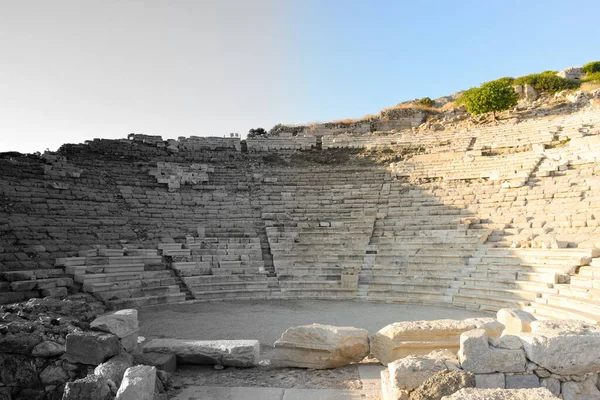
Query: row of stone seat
(123, 278)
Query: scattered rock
(411, 372)
(234, 353)
(114, 368)
(444, 383)
(585, 390)
(477, 356)
(91, 387)
(320, 346)
(91, 348)
(48, 349)
(54, 375)
(566, 347)
(138, 383)
(572, 73)
(515, 320)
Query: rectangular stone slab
(234, 353)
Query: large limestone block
(123, 323)
(91, 347)
(234, 353)
(320, 346)
(477, 356)
(402, 339)
(515, 320)
(91, 387)
(444, 383)
(566, 347)
(410, 372)
(389, 389)
(138, 383)
(501, 394)
(114, 368)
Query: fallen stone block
(162, 361)
(91, 387)
(552, 384)
(402, 339)
(320, 346)
(114, 368)
(123, 323)
(476, 355)
(91, 348)
(444, 383)
(234, 353)
(410, 372)
(138, 383)
(515, 320)
(501, 394)
(565, 347)
(54, 375)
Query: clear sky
(73, 70)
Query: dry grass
(589, 86)
(448, 106)
(410, 105)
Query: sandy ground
(266, 321)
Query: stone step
(510, 284)
(107, 277)
(134, 293)
(232, 294)
(486, 303)
(223, 279)
(309, 284)
(138, 302)
(519, 295)
(107, 268)
(544, 311)
(589, 306)
(210, 287)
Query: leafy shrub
(491, 96)
(546, 81)
(257, 132)
(594, 77)
(506, 80)
(591, 67)
(425, 101)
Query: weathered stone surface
(54, 375)
(490, 381)
(585, 390)
(530, 92)
(401, 339)
(444, 383)
(48, 349)
(114, 368)
(515, 320)
(91, 387)
(120, 323)
(320, 346)
(138, 383)
(552, 384)
(389, 389)
(162, 361)
(91, 347)
(566, 347)
(501, 394)
(523, 381)
(410, 372)
(477, 356)
(235, 353)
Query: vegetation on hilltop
(491, 96)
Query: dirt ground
(266, 321)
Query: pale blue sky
(72, 70)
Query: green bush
(546, 81)
(257, 132)
(591, 67)
(595, 77)
(490, 97)
(506, 80)
(425, 101)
